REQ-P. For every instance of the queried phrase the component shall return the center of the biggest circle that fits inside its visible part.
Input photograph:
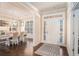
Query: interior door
(76, 32)
(52, 31)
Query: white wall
(37, 31)
(69, 29)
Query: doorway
(54, 30)
(76, 32)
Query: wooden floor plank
(18, 50)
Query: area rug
(49, 50)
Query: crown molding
(31, 8)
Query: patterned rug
(49, 50)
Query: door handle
(46, 32)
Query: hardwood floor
(65, 52)
(64, 49)
(35, 48)
(24, 49)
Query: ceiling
(42, 7)
(46, 5)
(14, 8)
(25, 8)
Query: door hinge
(73, 15)
(73, 50)
(73, 33)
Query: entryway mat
(49, 50)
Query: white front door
(52, 31)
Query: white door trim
(64, 16)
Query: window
(44, 30)
(14, 25)
(29, 27)
(61, 31)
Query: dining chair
(14, 40)
(7, 42)
(22, 37)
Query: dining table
(5, 39)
